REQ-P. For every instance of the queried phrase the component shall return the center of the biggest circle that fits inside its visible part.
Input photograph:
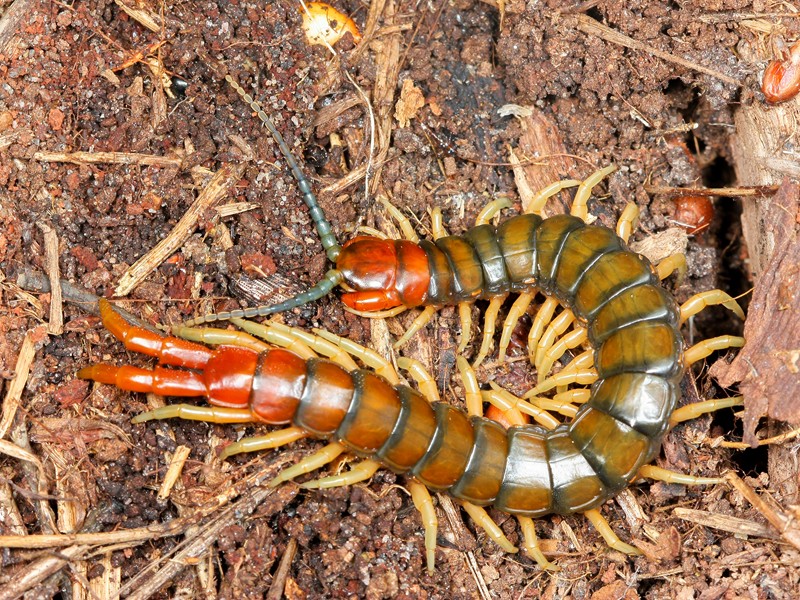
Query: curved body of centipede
(635, 360)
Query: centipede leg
(626, 221)
(671, 264)
(543, 317)
(489, 323)
(273, 439)
(695, 410)
(557, 327)
(191, 412)
(491, 209)
(218, 337)
(537, 203)
(310, 463)
(492, 529)
(660, 474)
(611, 538)
(703, 349)
(572, 340)
(581, 377)
(437, 224)
(465, 315)
(700, 301)
(368, 356)
(472, 389)
(277, 334)
(424, 504)
(402, 221)
(517, 309)
(422, 319)
(508, 403)
(425, 382)
(579, 204)
(531, 544)
(361, 472)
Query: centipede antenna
(321, 223)
(320, 290)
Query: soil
(75, 78)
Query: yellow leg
(491, 209)
(472, 390)
(558, 403)
(437, 224)
(572, 340)
(583, 361)
(543, 317)
(402, 221)
(274, 439)
(422, 319)
(702, 349)
(537, 203)
(674, 262)
(370, 231)
(465, 314)
(692, 411)
(627, 220)
(368, 356)
(492, 529)
(424, 380)
(710, 298)
(362, 471)
(377, 314)
(611, 538)
(659, 474)
(508, 402)
(518, 309)
(531, 544)
(424, 504)
(557, 327)
(489, 323)
(280, 335)
(217, 337)
(579, 208)
(310, 463)
(582, 377)
(190, 412)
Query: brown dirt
(608, 103)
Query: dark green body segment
(632, 325)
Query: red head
(383, 273)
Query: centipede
(627, 378)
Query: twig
(733, 192)
(55, 325)
(214, 192)
(589, 26)
(122, 158)
(278, 584)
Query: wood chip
(55, 326)
(14, 392)
(121, 158)
(174, 471)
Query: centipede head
(383, 274)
